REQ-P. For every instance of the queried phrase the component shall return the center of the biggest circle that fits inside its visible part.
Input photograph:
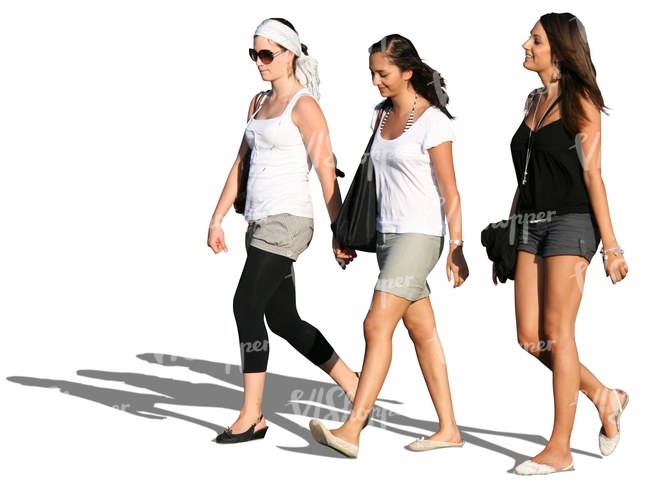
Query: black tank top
(554, 181)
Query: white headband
(280, 33)
(306, 66)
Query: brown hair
(568, 41)
(425, 80)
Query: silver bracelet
(617, 252)
(457, 242)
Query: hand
(217, 239)
(457, 265)
(615, 267)
(343, 256)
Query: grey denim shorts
(567, 234)
(283, 234)
(405, 260)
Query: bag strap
(259, 101)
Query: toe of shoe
(608, 445)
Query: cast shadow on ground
(284, 395)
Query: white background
(119, 123)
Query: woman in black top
(563, 212)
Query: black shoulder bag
(356, 225)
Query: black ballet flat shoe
(228, 437)
(365, 423)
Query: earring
(289, 71)
(559, 73)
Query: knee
(375, 331)
(285, 327)
(558, 328)
(530, 343)
(557, 336)
(420, 333)
(240, 306)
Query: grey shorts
(405, 261)
(282, 234)
(568, 234)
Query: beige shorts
(282, 234)
(405, 260)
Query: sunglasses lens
(265, 56)
(252, 54)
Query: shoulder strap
(379, 115)
(259, 101)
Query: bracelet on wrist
(457, 242)
(617, 252)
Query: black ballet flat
(228, 437)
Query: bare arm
(443, 164)
(590, 137)
(216, 237)
(309, 119)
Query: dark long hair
(426, 81)
(570, 50)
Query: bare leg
(561, 302)
(421, 325)
(379, 326)
(342, 375)
(252, 408)
(529, 307)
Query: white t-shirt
(408, 197)
(278, 181)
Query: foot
(552, 458)
(529, 467)
(244, 422)
(347, 434)
(254, 432)
(422, 444)
(323, 436)
(607, 442)
(609, 409)
(446, 436)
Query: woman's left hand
(615, 267)
(457, 266)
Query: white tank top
(279, 170)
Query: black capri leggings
(266, 288)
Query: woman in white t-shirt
(287, 133)
(416, 187)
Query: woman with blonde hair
(286, 133)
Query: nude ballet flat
(529, 467)
(608, 445)
(323, 436)
(422, 444)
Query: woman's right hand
(217, 239)
(343, 256)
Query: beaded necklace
(409, 122)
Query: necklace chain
(280, 120)
(530, 134)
